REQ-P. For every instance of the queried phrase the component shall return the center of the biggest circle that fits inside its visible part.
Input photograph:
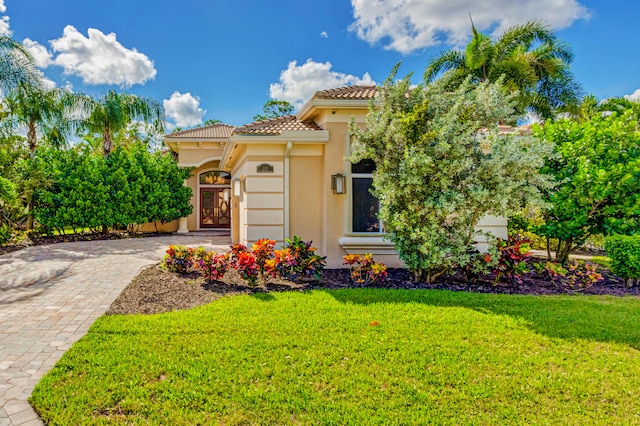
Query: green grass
(313, 358)
(601, 260)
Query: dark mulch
(37, 240)
(156, 291)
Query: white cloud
(40, 53)
(4, 26)
(635, 96)
(101, 59)
(4, 21)
(46, 81)
(408, 25)
(324, 34)
(183, 109)
(298, 83)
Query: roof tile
(348, 92)
(213, 131)
(275, 126)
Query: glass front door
(215, 211)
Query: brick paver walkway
(50, 295)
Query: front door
(215, 211)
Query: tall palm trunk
(108, 142)
(33, 141)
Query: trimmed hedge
(130, 188)
(624, 252)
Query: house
(288, 176)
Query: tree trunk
(548, 249)
(32, 139)
(108, 142)
(564, 248)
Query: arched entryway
(215, 199)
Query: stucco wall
(191, 154)
(162, 227)
(307, 188)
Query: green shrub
(624, 252)
(5, 233)
(130, 188)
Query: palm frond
(445, 61)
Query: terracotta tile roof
(213, 131)
(348, 92)
(275, 126)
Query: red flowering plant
(583, 274)
(245, 263)
(212, 266)
(364, 270)
(299, 259)
(263, 252)
(180, 258)
(512, 262)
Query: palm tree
(528, 57)
(44, 112)
(17, 66)
(113, 111)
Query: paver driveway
(50, 295)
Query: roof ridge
(182, 133)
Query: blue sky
(224, 59)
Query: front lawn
(357, 356)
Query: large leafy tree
(598, 170)
(529, 57)
(441, 165)
(274, 108)
(113, 112)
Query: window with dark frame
(364, 206)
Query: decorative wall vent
(264, 168)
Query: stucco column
(182, 226)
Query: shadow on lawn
(599, 318)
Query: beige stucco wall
(161, 227)
(306, 200)
(192, 155)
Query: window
(364, 206)
(215, 178)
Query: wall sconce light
(237, 188)
(338, 184)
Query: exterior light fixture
(338, 184)
(237, 188)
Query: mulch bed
(155, 290)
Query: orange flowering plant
(365, 270)
(180, 258)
